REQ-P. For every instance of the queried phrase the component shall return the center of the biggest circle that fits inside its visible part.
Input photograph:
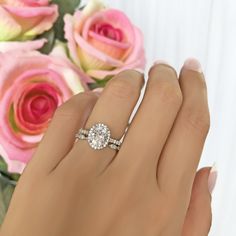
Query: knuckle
(77, 102)
(197, 119)
(168, 92)
(121, 88)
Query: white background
(205, 29)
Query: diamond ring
(99, 137)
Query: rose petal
(30, 12)
(101, 74)
(138, 48)
(34, 20)
(44, 25)
(25, 117)
(136, 59)
(9, 28)
(118, 20)
(109, 42)
(36, 3)
(91, 7)
(90, 50)
(69, 35)
(114, 17)
(12, 65)
(60, 51)
(96, 58)
(24, 46)
(13, 166)
(75, 38)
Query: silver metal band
(99, 137)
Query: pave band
(99, 137)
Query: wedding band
(99, 137)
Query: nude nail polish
(98, 91)
(212, 179)
(141, 71)
(159, 62)
(193, 64)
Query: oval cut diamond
(99, 136)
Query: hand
(144, 189)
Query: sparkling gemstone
(113, 146)
(98, 136)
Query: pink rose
(25, 19)
(32, 86)
(103, 42)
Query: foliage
(68, 6)
(7, 187)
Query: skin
(150, 187)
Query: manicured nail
(98, 91)
(212, 179)
(159, 62)
(193, 64)
(141, 71)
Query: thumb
(198, 218)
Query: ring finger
(113, 109)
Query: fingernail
(193, 64)
(141, 71)
(98, 91)
(212, 179)
(161, 62)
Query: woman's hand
(144, 189)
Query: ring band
(99, 137)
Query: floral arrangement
(50, 51)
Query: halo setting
(99, 136)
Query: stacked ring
(99, 137)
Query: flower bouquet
(50, 51)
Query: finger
(113, 109)
(153, 121)
(181, 155)
(198, 218)
(60, 136)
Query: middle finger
(151, 126)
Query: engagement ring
(99, 137)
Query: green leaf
(99, 83)
(4, 172)
(6, 191)
(50, 36)
(3, 165)
(65, 6)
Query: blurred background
(206, 29)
